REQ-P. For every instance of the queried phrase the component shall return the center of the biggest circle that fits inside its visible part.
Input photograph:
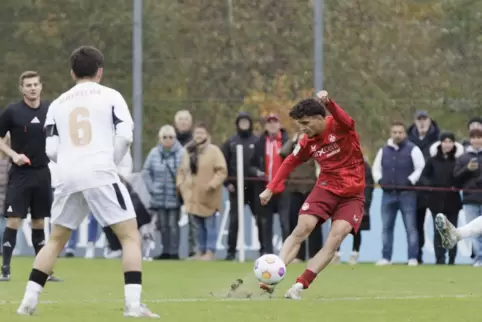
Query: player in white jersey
(80, 125)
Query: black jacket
(259, 156)
(248, 140)
(429, 139)
(469, 179)
(438, 172)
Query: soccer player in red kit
(339, 191)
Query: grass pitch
(191, 291)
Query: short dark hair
(397, 123)
(475, 133)
(307, 107)
(27, 74)
(85, 61)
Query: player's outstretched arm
(341, 117)
(288, 165)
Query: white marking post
(240, 195)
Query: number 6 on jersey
(79, 126)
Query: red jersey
(337, 150)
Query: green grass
(180, 291)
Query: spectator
(4, 168)
(246, 138)
(423, 133)
(365, 224)
(473, 123)
(183, 125)
(200, 180)
(264, 164)
(397, 166)
(159, 173)
(438, 172)
(468, 175)
(299, 185)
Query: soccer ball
(269, 269)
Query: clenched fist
(265, 197)
(323, 97)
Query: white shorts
(110, 204)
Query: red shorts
(326, 205)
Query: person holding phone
(469, 177)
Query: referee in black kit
(29, 182)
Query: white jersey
(86, 118)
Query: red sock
(306, 278)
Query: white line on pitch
(214, 299)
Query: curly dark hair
(307, 107)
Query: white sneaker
(383, 262)
(90, 251)
(477, 264)
(294, 293)
(353, 258)
(112, 254)
(412, 262)
(27, 307)
(336, 259)
(140, 312)
(447, 231)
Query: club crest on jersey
(332, 138)
(305, 206)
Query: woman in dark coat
(438, 172)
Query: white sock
(32, 290)
(472, 229)
(132, 293)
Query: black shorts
(28, 189)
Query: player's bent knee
(14, 222)
(339, 230)
(305, 226)
(127, 231)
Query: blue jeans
(206, 233)
(406, 202)
(91, 234)
(473, 211)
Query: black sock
(133, 278)
(8, 244)
(357, 242)
(38, 239)
(38, 277)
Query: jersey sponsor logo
(305, 206)
(35, 120)
(330, 150)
